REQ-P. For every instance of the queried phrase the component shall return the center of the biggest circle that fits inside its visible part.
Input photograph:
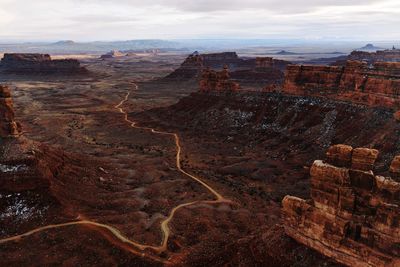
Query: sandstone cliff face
(217, 81)
(261, 70)
(377, 85)
(39, 64)
(8, 127)
(353, 216)
(385, 55)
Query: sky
(89, 20)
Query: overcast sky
(85, 20)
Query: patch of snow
(11, 168)
(18, 209)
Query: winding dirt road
(164, 224)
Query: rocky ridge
(353, 215)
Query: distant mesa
(112, 54)
(370, 47)
(284, 52)
(369, 56)
(64, 42)
(27, 64)
(390, 55)
(252, 72)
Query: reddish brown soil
(102, 169)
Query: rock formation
(376, 85)
(217, 81)
(392, 55)
(389, 55)
(353, 216)
(112, 54)
(260, 71)
(39, 64)
(8, 127)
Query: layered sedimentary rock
(392, 55)
(8, 127)
(353, 216)
(261, 70)
(217, 81)
(376, 85)
(39, 64)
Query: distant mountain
(370, 47)
(284, 52)
(66, 42)
(98, 47)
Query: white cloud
(128, 19)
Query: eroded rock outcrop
(392, 55)
(112, 54)
(8, 127)
(353, 216)
(28, 64)
(377, 85)
(217, 81)
(260, 71)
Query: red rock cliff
(217, 81)
(376, 85)
(252, 72)
(353, 216)
(392, 55)
(8, 127)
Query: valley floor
(128, 178)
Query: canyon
(115, 160)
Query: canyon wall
(261, 71)
(374, 85)
(8, 127)
(392, 55)
(39, 64)
(353, 216)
